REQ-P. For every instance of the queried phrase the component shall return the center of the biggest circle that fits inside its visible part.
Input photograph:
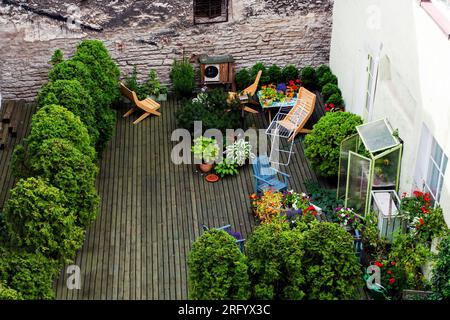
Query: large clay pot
(205, 167)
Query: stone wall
(151, 35)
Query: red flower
(331, 105)
(404, 195)
(391, 281)
(389, 272)
(298, 80)
(253, 196)
(393, 263)
(418, 194)
(291, 82)
(424, 210)
(426, 198)
(379, 264)
(421, 221)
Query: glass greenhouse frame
(369, 160)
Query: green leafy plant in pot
(206, 150)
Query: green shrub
(224, 169)
(29, 275)
(441, 271)
(217, 268)
(324, 198)
(324, 142)
(57, 57)
(327, 77)
(132, 83)
(38, 221)
(71, 95)
(275, 262)
(321, 70)
(330, 266)
(243, 79)
(9, 294)
(103, 70)
(182, 76)
(289, 72)
(335, 99)
(212, 109)
(309, 78)
(66, 168)
(330, 89)
(265, 79)
(275, 74)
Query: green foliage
(243, 79)
(275, 260)
(226, 169)
(217, 268)
(29, 275)
(330, 89)
(324, 142)
(265, 79)
(212, 109)
(375, 248)
(205, 149)
(330, 266)
(309, 78)
(275, 74)
(335, 99)
(327, 77)
(411, 255)
(321, 70)
(324, 199)
(182, 76)
(71, 95)
(66, 168)
(289, 72)
(57, 57)
(103, 71)
(38, 221)
(441, 271)
(9, 294)
(153, 85)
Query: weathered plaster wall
(151, 34)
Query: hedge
(217, 268)
(38, 221)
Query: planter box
(387, 204)
(416, 295)
(161, 97)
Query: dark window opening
(210, 11)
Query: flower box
(387, 204)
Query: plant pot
(212, 178)
(152, 97)
(205, 167)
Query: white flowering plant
(347, 217)
(239, 152)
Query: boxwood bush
(324, 142)
(330, 266)
(330, 89)
(321, 70)
(66, 168)
(26, 275)
(275, 74)
(289, 72)
(38, 221)
(182, 75)
(243, 79)
(217, 268)
(71, 95)
(275, 262)
(308, 77)
(326, 78)
(265, 78)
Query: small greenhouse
(369, 160)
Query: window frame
(437, 15)
(208, 19)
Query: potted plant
(162, 94)
(206, 150)
(153, 85)
(238, 152)
(348, 219)
(268, 95)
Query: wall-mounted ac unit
(212, 73)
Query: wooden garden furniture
(247, 94)
(148, 105)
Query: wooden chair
(247, 93)
(148, 105)
(266, 177)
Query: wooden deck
(152, 210)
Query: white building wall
(413, 85)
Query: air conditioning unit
(212, 73)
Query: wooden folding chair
(148, 105)
(247, 93)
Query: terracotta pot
(205, 167)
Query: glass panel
(444, 165)
(385, 171)
(377, 136)
(346, 146)
(358, 185)
(433, 178)
(436, 153)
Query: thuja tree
(217, 268)
(26, 275)
(104, 115)
(38, 221)
(275, 258)
(323, 144)
(51, 122)
(441, 271)
(68, 169)
(330, 266)
(71, 95)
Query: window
(439, 11)
(210, 11)
(443, 6)
(372, 70)
(431, 164)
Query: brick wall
(151, 36)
